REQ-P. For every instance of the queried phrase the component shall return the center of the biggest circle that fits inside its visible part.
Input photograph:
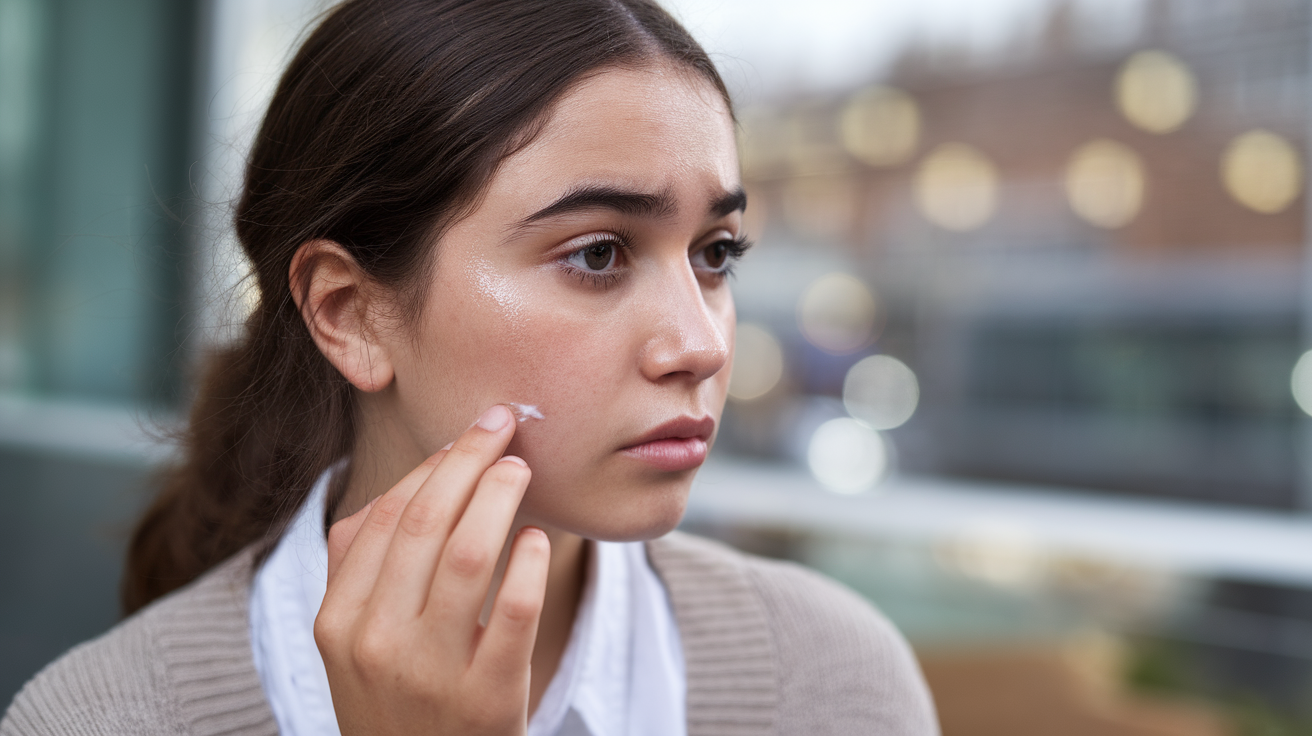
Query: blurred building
(1088, 247)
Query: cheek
(501, 344)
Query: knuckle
(467, 559)
(386, 512)
(422, 518)
(371, 653)
(327, 629)
(468, 449)
(520, 610)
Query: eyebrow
(735, 201)
(628, 202)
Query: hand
(407, 579)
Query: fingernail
(494, 418)
(448, 446)
(516, 460)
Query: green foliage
(1162, 668)
(1158, 667)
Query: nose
(685, 339)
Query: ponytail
(271, 416)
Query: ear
(333, 296)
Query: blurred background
(1022, 353)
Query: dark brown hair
(384, 129)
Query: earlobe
(333, 296)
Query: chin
(641, 527)
(612, 513)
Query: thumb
(342, 534)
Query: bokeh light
(1301, 383)
(758, 362)
(1262, 171)
(1105, 183)
(995, 550)
(820, 206)
(847, 456)
(881, 391)
(838, 313)
(881, 126)
(1156, 91)
(957, 187)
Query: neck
(565, 580)
(372, 474)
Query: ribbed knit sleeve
(181, 666)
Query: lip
(677, 445)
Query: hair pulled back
(383, 130)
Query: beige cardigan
(771, 648)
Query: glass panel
(94, 138)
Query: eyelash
(734, 250)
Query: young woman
(433, 489)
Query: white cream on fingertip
(525, 412)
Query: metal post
(1303, 430)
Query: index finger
(421, 533)
(350, 552)
(341, 535)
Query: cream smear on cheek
(524, 412)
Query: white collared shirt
(622, 673)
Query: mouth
(677, 445)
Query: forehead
(657, 129)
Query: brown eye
(599, 256)
(715, 255)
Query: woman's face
(591, 283)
